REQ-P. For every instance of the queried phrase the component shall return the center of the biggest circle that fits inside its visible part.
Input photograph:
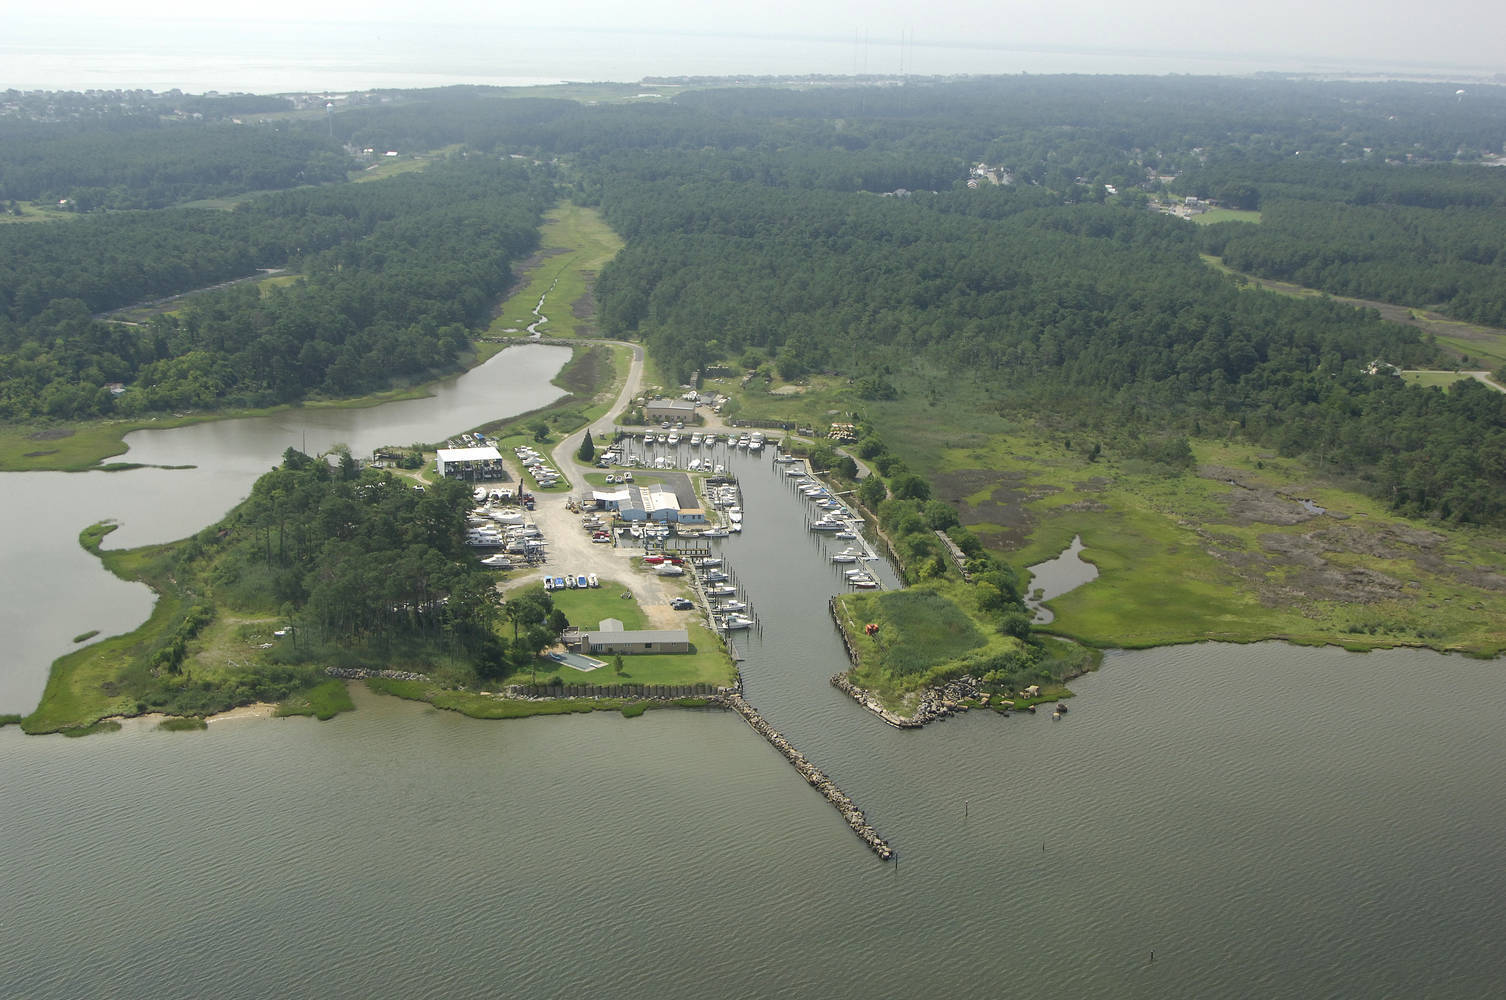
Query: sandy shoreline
(256, 710)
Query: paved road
(603, 429)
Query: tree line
(392, 277)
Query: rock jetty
(814, 776)
(935, 702)
(362, 673)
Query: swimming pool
(577, 661)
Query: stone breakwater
(935, 702)
(362, 673)
(814, 776)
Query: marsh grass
(183, 724)
(323, 701)
(102, 726)
(575, 244)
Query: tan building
(612, 638)
(656, 410)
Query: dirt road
(569, 546)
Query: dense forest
(392, 277)
(834, 229)
(135, 150)
(1023, 307)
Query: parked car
(682, 604)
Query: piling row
(814, 776)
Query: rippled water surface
(1269, 821)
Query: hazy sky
(1464, 32)
(618, 39)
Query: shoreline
(255, 710)
(108, 434)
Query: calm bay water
(57, 591)
(1269, 821)
(1263, 818)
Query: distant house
(612, 638)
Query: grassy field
(1441, 380)
(919, 628)
(925, 634)
(1473, 345)
(1190, 557)
(35, 212)
(392, 166)
(575, 244)
(1208, 218)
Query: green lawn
(708, 662)
(1211, 216)
(1442, 380)
(586, 608)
